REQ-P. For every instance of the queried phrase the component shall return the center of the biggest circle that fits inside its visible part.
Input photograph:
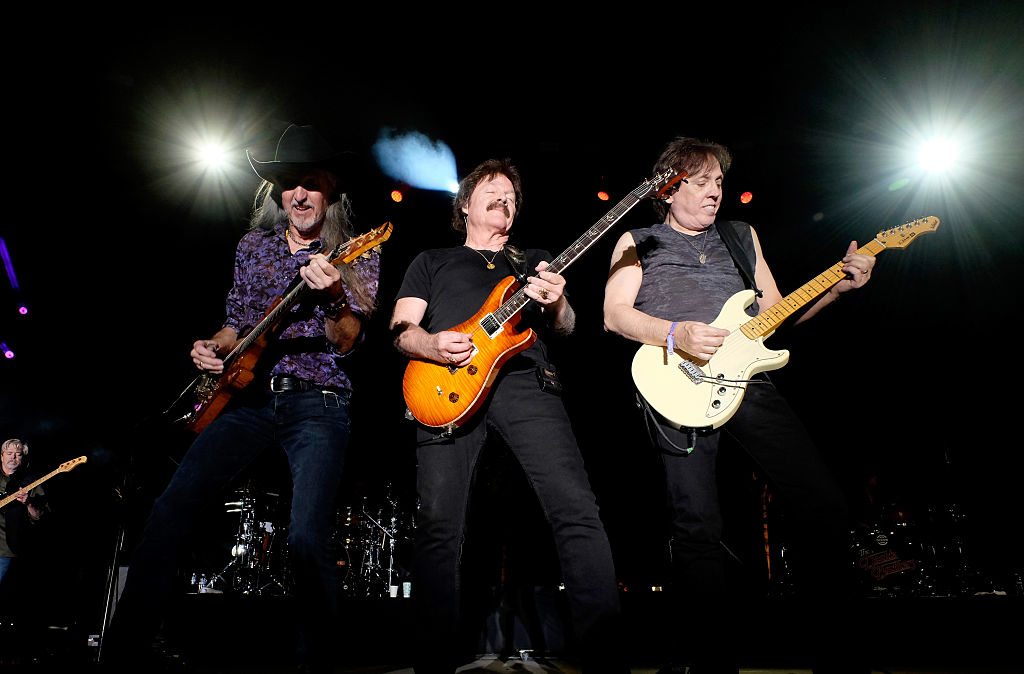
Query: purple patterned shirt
(264, 266)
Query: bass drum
(891, 558)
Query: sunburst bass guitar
(693, 393)
(211, 392)
(446, 396)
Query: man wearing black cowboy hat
(298, 400)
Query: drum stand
(372, 566)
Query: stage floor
(235, 635)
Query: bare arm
(548, 290)
(624, 279)
(413, 341)
(858, 267)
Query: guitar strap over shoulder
(517, 261)
(727, 231)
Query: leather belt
(286, 383)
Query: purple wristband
(671, 339)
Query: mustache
(498, 203)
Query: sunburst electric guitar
(446, 396)
(62, 468)
(694, 393)
(212, 392)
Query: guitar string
(556, 265)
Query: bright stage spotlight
(212, 156)
(938, 154)
(416, 160)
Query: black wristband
(334, 309)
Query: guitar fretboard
(772, 317)
(519, 299)
(63, 468)
(339, 255)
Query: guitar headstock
(900, 237)
(68, 465)
(353, 248)
(667, 182)
(659, 184)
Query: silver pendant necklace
(703, 257)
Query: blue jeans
(535, 427)
(5, 564)
(313, 429)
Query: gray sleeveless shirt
(676, 286)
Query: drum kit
(258, 551)
(371, 546)
(922, 553)
(901, 552)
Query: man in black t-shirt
(445, 288)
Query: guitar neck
(519, 299)
(269, 321)
(771, 318)
(29, 487)
(343, 253)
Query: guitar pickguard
(694, 393)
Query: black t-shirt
(455, 283)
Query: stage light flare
(416, 160)
(212, 156)
(8, 353)
(603, 196)
(938, 154)
(746, 197)
(396, 196)
(22, 309)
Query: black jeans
(769, 431)
(313, 429)
(536, 428)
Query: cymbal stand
(389, 535)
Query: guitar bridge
(692, 371)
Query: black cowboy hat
(299, 149)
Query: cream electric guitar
(62, 468)
(694, 393)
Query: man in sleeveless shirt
(666, 284)
(443, 288)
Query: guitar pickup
(490, 325)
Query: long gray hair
(337, 228)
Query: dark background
(123, 249)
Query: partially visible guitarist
(444, 288)
(298, 400)
(28, 507)
(666, 284)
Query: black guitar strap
(727, 231)
(517, 261)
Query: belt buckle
(272, 389)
